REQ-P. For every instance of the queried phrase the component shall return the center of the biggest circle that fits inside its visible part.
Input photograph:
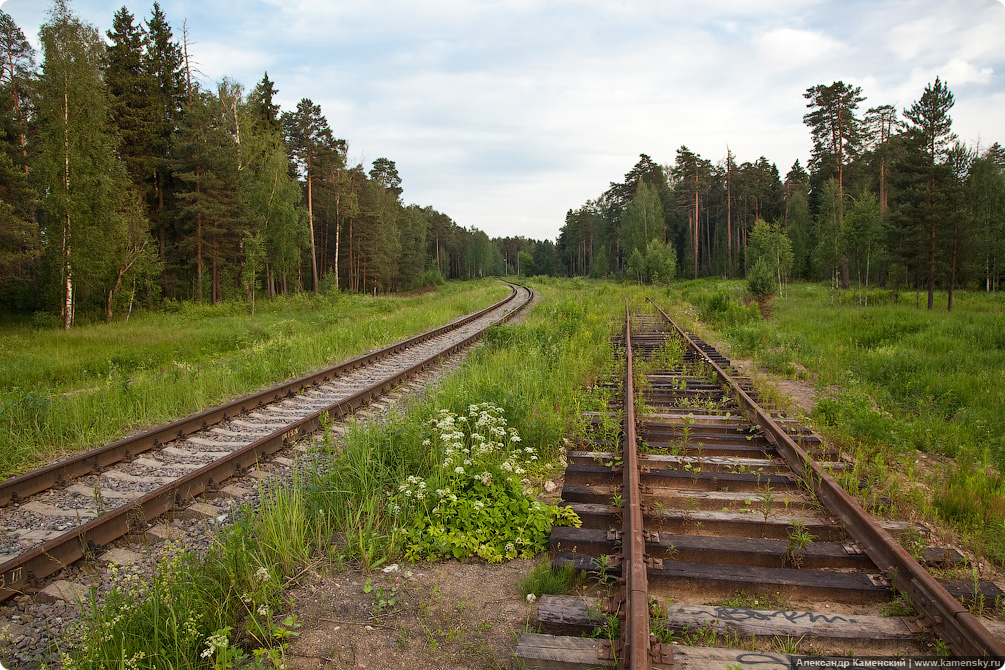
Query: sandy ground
(444, 615)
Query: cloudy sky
(506, 114)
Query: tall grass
(195, 611)
(896, 377)
(339, 513)
(67, 391)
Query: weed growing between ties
(545, 579)
(225, 609)
(897, 380)
(67, 391)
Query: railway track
(58, 514)
(729, 540)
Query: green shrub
(478, 502)
(430, 277)
(761, 282)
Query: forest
(127, 183)
(889, 199)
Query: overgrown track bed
(56, 515)
(727, 535)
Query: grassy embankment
(534, 372)
(896, 380)
(67, 391)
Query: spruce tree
(133, 112)
(272, 194)
(162, 63)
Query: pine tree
(931, 127)
(17, 70)
(308, 139)
(20, 243)
(837, 139)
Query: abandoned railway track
(56, 515)
(729, 538)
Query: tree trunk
(310, 219)
(67, 269)
(215, 289)
(729, 220)
(338, 226)
(931, 244)
(696, 224)
(198, 241)
(132, 298)
(952, 269)
(123, 269)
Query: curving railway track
(729, 540)
(52, 517)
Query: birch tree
(77, 167)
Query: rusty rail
(29, 568)
(941, 612)
(635, 631)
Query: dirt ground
(800, 393)
(442, 615)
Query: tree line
(126, 181)
(885, 198)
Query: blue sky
(504, 115)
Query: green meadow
(65, 391)
(896, 380)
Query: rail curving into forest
(65, 511)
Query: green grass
(897, 378)
(67, 391)
(544, 579)
(341, 514)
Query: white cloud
(504, 114)
(792, 48)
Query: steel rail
(29, 568)
(941, 612)
(635, 632)
(58, 474)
